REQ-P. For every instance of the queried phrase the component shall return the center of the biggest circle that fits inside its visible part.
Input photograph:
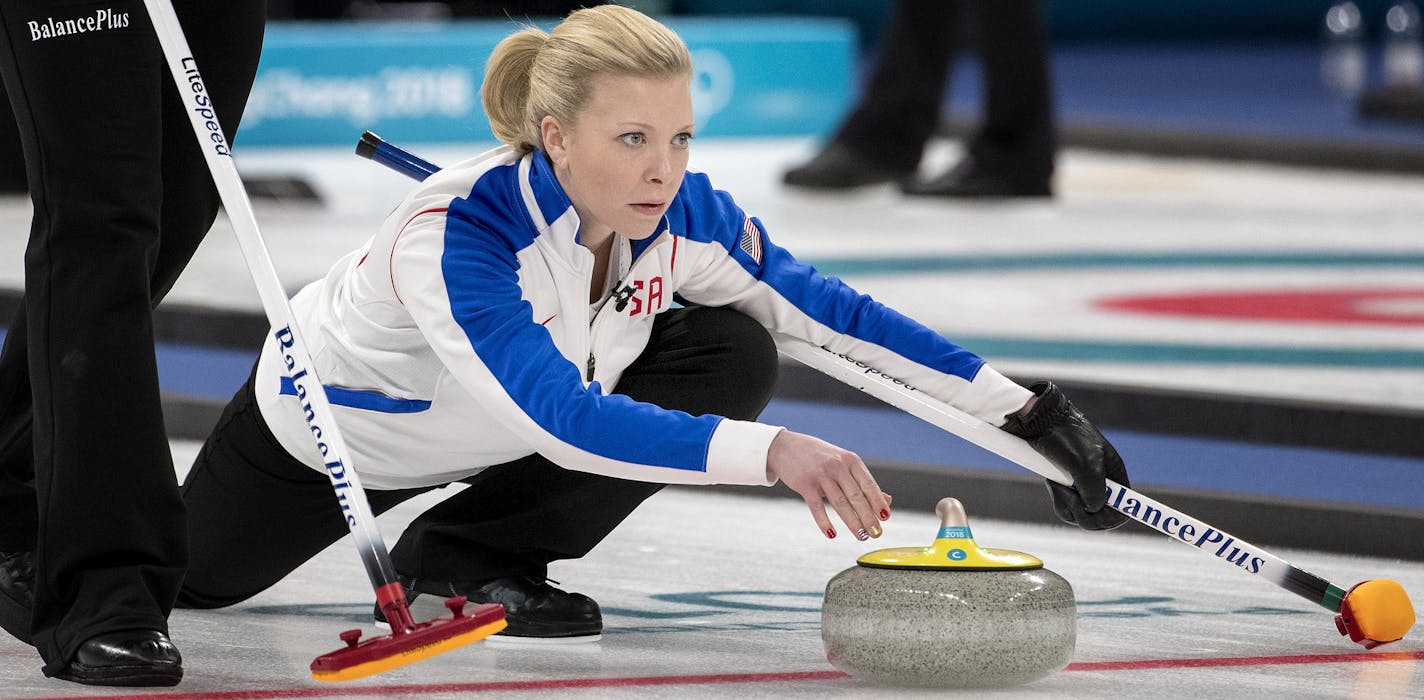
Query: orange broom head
(401, 647)
(1375, 612)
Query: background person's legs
(1011, 153)
(884, 136)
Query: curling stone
(951, 615)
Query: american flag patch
(751, 240)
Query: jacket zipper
(592, 361)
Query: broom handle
(286, 333)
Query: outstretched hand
(822, 472)
(1059, 431)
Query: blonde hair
(532, 74)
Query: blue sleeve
(776, 288)
(501, 339)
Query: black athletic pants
(255, 513)
(900, 108)
(12, 158)
(121, 198)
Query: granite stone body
(948, 628)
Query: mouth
(649, 208)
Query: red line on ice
(350, 690)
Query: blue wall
(322, 84)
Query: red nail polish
(884, 514)
(830, 533)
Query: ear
(552, 134)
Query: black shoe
(17, 593)
(969, 180)
(838, 167)
(533, 609)
(126, 657)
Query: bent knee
(751, 343)
(747, 358)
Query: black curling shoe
(534, 610)
(839, 167)
(126, 657)
(969, 180)
(17, 593)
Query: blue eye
(682, 140)
(634, 138)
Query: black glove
(1060, 432)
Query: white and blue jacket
(460, 336)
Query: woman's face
(623, 158)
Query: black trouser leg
(17, 456)
(1017, 134)
(189, 206)
(255, 513)
(899, 108)
(97, 434)
(114, 204)
(12, 159)
(516, 518)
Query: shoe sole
(121, 675)
(837, 187)
(503, 639)
(429, 607)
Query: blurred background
(1312, 82)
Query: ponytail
(505, 92)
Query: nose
(660, 165)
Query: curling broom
(408, 641)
